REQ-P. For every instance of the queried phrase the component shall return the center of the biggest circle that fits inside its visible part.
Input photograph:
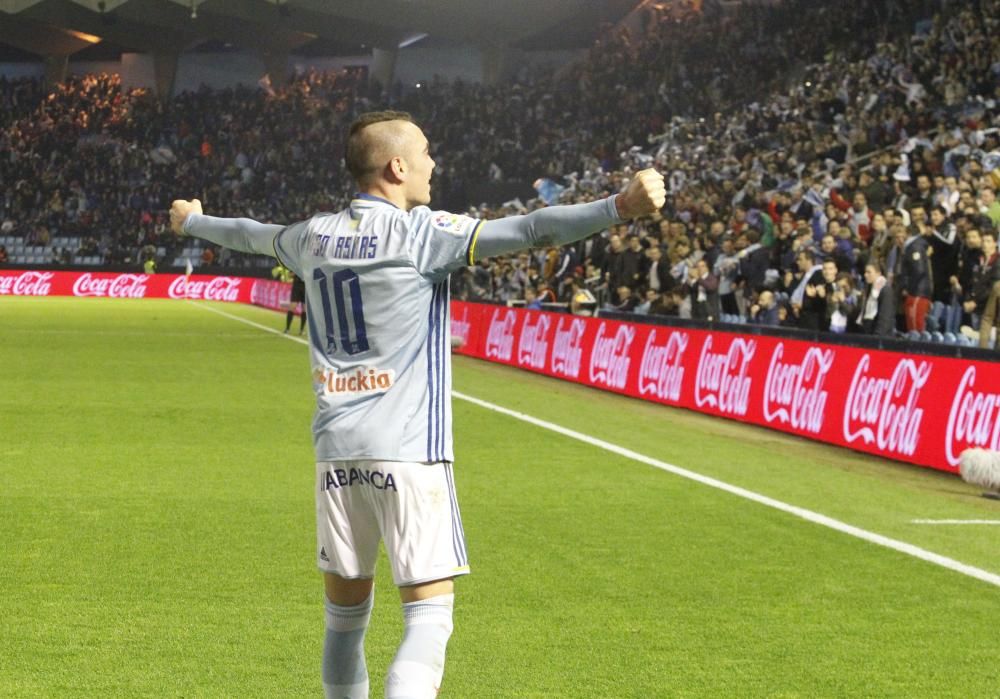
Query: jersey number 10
(344, 279)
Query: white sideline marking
(249, 322)
(800, 512)
(955, 521)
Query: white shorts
(411, 506)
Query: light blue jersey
(377, 302)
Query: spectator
(989, 206)
(942, 237)
(726, 270)
(877, 312)
(766, 310)
(881, 242)
(657, 276)
(969, 263)
(807, 304)
(846, 297)
(531, 301)
(830, 250)
(632, 262)
(643, 307)
(703, 290)
(625, 300)
(985, 274)
(915, 278)
(754, 263)
(833, 319)
(614, 263)
(680, 302)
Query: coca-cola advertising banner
(199, 287)
(269, 294)
(920, 409)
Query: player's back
(377, 302)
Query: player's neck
(393, 195)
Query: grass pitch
(156, 535)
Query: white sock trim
(348, 618)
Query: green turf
(156, 535)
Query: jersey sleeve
(440, 242)
(290, 245)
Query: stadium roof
(64, 27)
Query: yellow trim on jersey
(460, 569)
(274, 246)
(471, 256)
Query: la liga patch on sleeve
(455, 224)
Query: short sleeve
(290, 245)
(440, 242)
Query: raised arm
(558, 225)
(242, 234)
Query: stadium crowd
(861, 199)
(847, 184)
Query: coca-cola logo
(567, 348)
(793, 393)
(609, 359)
(974, 420)
(661, 372)
(268, 294)
(27, 284)
(533, 345)
(722, 381)
(885, 410)
(214, 289)
(122, 286)
(460, 326)
(500, 338)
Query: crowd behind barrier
(772, 218)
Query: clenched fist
(179, 211)
(645, 195)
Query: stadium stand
(879, 149)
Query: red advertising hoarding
(921, 409)
(199, 287)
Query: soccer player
(376, 279)
(298, 296)
(298, 301)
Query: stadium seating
(744, 151)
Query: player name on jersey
(346, 247)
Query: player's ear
(396, 169)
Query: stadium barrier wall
(199, 287)
(918, 409)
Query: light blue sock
(418, 667)
(345, 675)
